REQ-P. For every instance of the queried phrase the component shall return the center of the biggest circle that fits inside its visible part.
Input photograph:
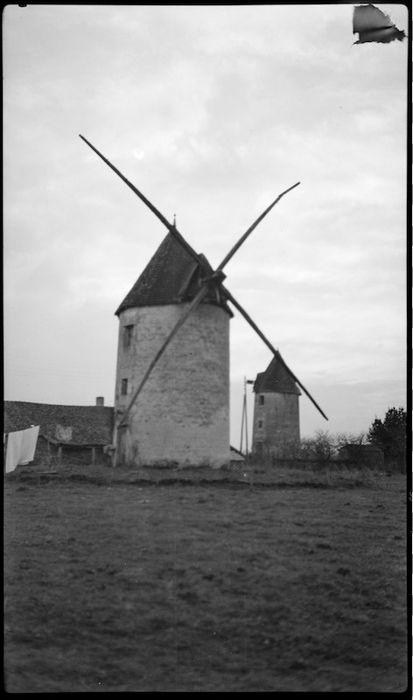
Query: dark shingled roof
(171, 276)
(91, 425)
(275, 379)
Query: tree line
(388, 434)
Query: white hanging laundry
(14, 448)
(21, 446)
(29, 444)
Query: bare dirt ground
(119, 583)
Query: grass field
(121, 584)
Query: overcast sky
(211, 111)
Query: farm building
(276, 424)
(67, 432)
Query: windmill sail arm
(171, 227)
(141, 196)
(301, 385)
(245, 235)
(241, 240)
(271, 347)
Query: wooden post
(93, 455)
(5, 441)
(59, 454)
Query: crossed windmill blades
(215, 280)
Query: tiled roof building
(80, 426)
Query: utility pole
(244, 419)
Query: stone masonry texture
(276, 427)
(181, 416)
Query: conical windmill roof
(275, 379)
(172, 276)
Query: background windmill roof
(171, 276)
(275, 379)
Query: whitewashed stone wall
(182, 414)
(280, 424)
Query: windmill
(276, 422)
(201, 287)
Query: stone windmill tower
(182, 415)
(276, 423)
(172, 382)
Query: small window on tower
(260, 423)
(261, 400)
(127, 336)
(124, 387)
